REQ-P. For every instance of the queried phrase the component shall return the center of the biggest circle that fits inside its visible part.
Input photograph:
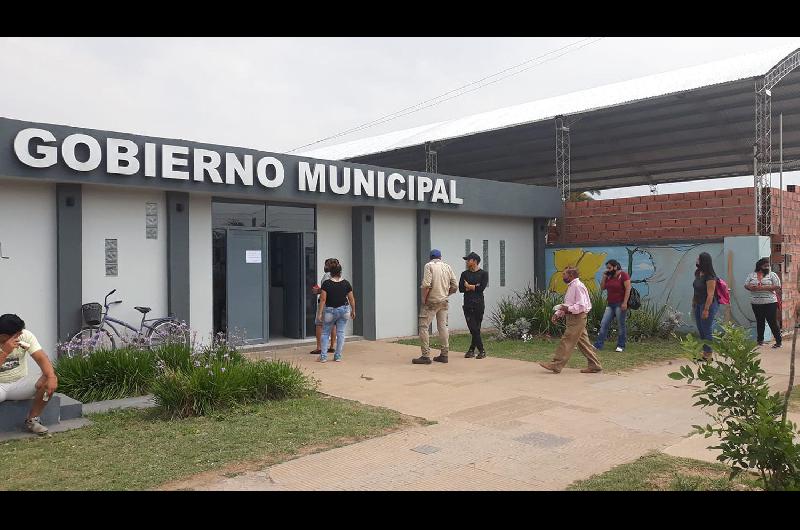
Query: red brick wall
(787, 243)
(677, 217)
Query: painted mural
(662, 274)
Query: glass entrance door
(246, 285)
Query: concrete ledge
(68, 425)
(14, 413)
(140, 402)
(70, 408)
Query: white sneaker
(34, 426)
(619, 350)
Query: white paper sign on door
(252, 256)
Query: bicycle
(151, 332)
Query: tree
(577, 196)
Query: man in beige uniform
(438, 283)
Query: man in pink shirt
(576, 306)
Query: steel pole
(781, 178)
(755, 186)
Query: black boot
(442, 358)
(421, 360)
(470, 353)
(481, 354)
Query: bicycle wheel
(89, 340)
(167, 332)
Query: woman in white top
(765, 286)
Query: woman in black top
(336, 305)
(472, 283)
(704, 302)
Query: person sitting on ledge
(16, 343)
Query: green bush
(185, 382)
(106, 374)
(222, 384)
(526, 311)
(174, 356)
(529, 312)
(746, 416)
(595, 315)
(651, 321)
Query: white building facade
(233, 239)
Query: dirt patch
(208, 478)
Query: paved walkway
(502, 424)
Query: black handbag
(634, 299)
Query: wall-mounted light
(1, 252)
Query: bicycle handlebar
(105, 302)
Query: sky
(277, 94)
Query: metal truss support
(762, 146)
(562, 169)
(431, 159)
(762, 160)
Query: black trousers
(768, 312)
(474, 316)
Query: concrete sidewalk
(502, 424)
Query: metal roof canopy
(702, 132)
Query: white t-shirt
(763, 297)
(15, 367)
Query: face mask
(765, 270)
(610, 273)
(566, 280)
(326, 269)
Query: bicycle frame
(143, 325)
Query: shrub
(746, 415)
(529, 312)
(106, 374)
(595, 316)
(527, 308)
(222, 384)
(650, 321)
(174, 356)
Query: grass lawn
(636, 354)
(660, 472)
(138, 449)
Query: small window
(290, 218)
(112, 258)
(502, 263)
(151, 220)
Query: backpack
(634, 299)
(723, 293)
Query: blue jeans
(334, 316)
(612, 311)
(705, 327)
